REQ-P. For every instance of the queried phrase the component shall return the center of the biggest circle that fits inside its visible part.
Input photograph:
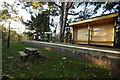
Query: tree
(86, 13)
(39, 24)
(65, 7)
(4, 33)
(7, 13)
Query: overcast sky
(17, 25)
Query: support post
(114, 45)
(88, 34)
(73, 35)
(8, 42)
(117, 24)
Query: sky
(20, 28)
(17, 25)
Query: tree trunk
(63, 20)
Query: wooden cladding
(84, 36)
(97, 35)
(95, 31)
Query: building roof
(94, 19)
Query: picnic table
(29, 52)
(32, 51)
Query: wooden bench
(39, 52)
(23, 55)
(29, 52)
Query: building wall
(102, 34)
(81, 35)
(75, 34)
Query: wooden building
(96, 31)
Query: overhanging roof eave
(93, 19)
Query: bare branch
(57, 5)
(74, 13)
(69, 5)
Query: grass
(49, 65)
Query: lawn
(49, 65)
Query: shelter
(96, 31)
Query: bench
(23, 55)
(39, 52)
(29, 52)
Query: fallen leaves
(63, 58)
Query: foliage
(14, 36)
(36, 4)
(83, 14)
(68, 37)
(5, 15)
(68, 8)
(110, 6)
(4, 77)
(30, 35)
(7, 12)
(39, 23)
(88, 12)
